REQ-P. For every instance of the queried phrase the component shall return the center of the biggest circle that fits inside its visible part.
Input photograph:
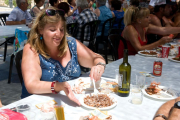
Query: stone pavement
(8, 92)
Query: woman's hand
(68, 91)
(96, 72)
(165, 39)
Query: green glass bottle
(125, 70)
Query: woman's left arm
(87, 58)
(162, 30)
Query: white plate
(88, 113)
(162, 95)
(174, 60)
(86, 83)
(104, 108)
(139, 52)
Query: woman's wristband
(52, 87)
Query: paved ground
(10, 92)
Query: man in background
(162, 10)
(85, 16)
(19, 14)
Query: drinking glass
(140, 80)
(118, 77)
(136, 94)
(48, 115)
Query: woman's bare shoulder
(29, 51)
(129, 29)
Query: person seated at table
(54, 3)
(85, 16)
(162, 11)
(169, 110)
(118, 12)
(103, 13)
(74, 11)
(51, 58)
(19, 15)
(136, 20)
(36, 9)
(65, 6)
(175, 17)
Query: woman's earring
(41, 37)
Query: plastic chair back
(93, 26)
(114, 40)
(18, 58)
(72, 29)
(3, 19)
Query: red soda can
(157, 68)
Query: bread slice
(50, 101)
(100, 114)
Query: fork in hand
(95, 90)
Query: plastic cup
(165, 51)
(136, 95)
(97, 84)
(140, 80)
(48, 115)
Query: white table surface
(9, 30)
(124, 110)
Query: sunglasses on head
(51, 12)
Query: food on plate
(78, 89)
(47, 107)
(109, 86)
(148, 52)
(153, 88)
(97, 115)
(98, 100)
(50, 103)
(171, 35)
(177, 58)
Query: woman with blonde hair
(51, 58)
(136, 20)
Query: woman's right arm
(131, 35)
(31, 72)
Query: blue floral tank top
(52, 70)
